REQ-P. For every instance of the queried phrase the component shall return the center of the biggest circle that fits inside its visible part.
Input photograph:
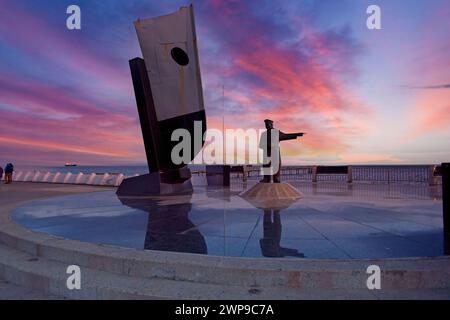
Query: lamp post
(445, 167)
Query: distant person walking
(1, 173)
(9, 169)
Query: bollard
(314, 174)
(445, 167)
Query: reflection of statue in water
(169, 227)
(267, 143)
(270, 243)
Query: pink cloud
(47, 120)
(302, 85)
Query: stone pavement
(9, 291)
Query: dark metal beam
(146, 110)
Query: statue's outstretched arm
(289, 136)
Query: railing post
(445, 167)
(431, 177)
(314, 174)
(349, 174)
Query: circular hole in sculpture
(180, 56)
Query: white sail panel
(168, 45)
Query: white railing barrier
(83, 179)
(20, 177)
(72, 179)
(104, 180)
(90, 178)
(97, 180)
(28, 176)
(35, 176)
(40, 177)
(57, 177)
(109, 179)
(46, 177)
(17, 176)
(67, 177)
(78, 178)
(119, 180)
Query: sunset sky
(363, 96)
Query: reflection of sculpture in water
(270, 243)
(268, 142)
(167, 230)
(219, 193)
(169, 227)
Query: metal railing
(361, 173)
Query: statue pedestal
(157, 183)
(271, 195)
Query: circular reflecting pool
(337, 222)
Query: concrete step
(39, 278)
(10, 291)
(399, 274)
(49, 278)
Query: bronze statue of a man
(269, 142)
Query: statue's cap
(268, 121)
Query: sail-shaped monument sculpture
(169, 96)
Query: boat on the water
(69, 164)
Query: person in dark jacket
(9, 169)
(1, 173)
